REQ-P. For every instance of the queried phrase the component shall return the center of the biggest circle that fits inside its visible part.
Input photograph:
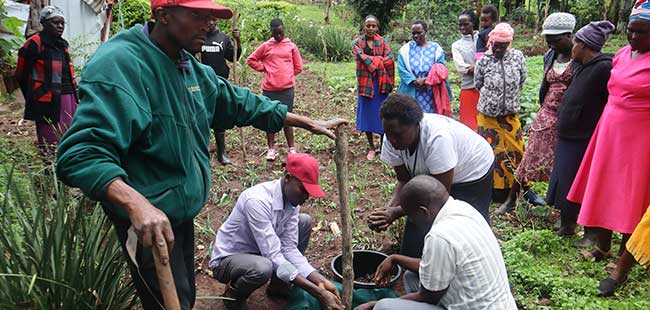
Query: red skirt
(468, 111)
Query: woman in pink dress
(613, 182)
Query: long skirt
(507, 140)
(613, 182)
(468, 111)
(568, 156)
(48, 133)
(368, 111)
(639, 243)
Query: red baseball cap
(305, 168)
(221, 11)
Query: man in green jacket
(139, 142)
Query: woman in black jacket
(582, 105)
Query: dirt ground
(313, 98)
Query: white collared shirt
(262, 224)
(462, 254)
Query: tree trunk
(341, 159)
(624, 16)
(326, 11)
(34, 23)
(548, 7)
(539, 15)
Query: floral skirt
(506, 138)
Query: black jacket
(585, 99)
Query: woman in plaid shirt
(375, 77)
(46, 78)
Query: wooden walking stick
(235, 77)
(341, 159)
(166, 280)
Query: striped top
(461, 253)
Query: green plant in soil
(58, 251)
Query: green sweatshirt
(143, 119)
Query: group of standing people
(153, 175)
(591, 104)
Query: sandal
(611, 266)
(371, 155)
(596, 254)
(608, 286)
(292, 150)
(271, 154)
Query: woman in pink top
(613, 182)
(279, 60)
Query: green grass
(339, 16)
(339, 76)
(542, 265)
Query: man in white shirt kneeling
(461, 266)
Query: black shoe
(584, 243)
(566, 231)
(608, 286)
(223, 159)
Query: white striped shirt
(461, 253)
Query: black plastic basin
(364, 262)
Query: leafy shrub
(586, 12)
(128, 13)
(442, 17)
(255, 17)
(384, 10)
(8, 47)
(530, 93)
(326, 43)
(58, 253)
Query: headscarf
(502, 32)
(559, 23)
(50, 12)
(595, 34)
(641, 10)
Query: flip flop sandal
(608, 286)
(611, 266)
(271, 154)
(596, 255)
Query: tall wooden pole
(235, 62)
(341, 159)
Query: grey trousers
(247, 272)
(411, 285)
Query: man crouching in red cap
(139, 141)
(265, 237)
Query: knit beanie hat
(595, 34)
